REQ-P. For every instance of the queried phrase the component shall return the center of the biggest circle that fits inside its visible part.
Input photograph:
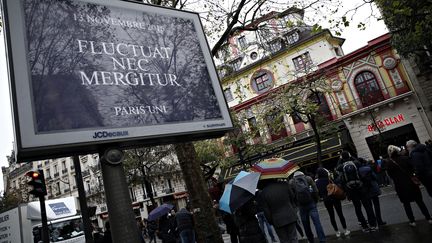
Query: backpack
(365, 173)
(378, 166)
(303, 192)
(351, 176)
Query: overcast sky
(355, 39)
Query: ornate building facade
(370, 98)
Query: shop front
(302, 151)
(392, 123)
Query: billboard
(10, 226)
(90, 72)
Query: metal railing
(169, 190)
(85, 173)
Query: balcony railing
(85, 173)
(169, 190)
(146, 195)
(93, 191)
(64, 171)
(56, 174)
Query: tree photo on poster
(102, 66)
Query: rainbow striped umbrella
(275, 168)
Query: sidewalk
(397, 233)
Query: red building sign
(388, 121)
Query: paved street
(397, 229)
(392, 211)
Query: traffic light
(37, 180)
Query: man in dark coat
(152, 227)
(358, 195)
(247, 223)
(373, 191)
(421, 158)
(185, 226)
(166, 230)
(278, 203)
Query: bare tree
(140, 163)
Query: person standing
(278, 203)
(249, 229)
(166, 230)
(332, 204)
(355, 190)
(400, 170)
(185, 226)
(421, 158)
(372, 188)
(152, 227)
(231, 228)
(307, 197)
(263, 223)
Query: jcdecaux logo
(105, 134)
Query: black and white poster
(109, 67)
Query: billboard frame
(31, 146)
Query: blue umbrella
(239, 191)
(160, 211)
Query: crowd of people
(172, 227)
(284, 208)
(282, 204)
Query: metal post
(122, 218)
(82, 200)
(45, 231)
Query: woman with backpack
(356, 192)
(306, 193)
(400, 170)
(331, 203)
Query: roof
(275, 14)
(383, 39)
(281, 51)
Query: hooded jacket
(421, 159)
(184, 220)
(278, 203)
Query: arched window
(368, 89)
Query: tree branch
(227, 31)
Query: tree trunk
(317, 140)
(206, 227)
